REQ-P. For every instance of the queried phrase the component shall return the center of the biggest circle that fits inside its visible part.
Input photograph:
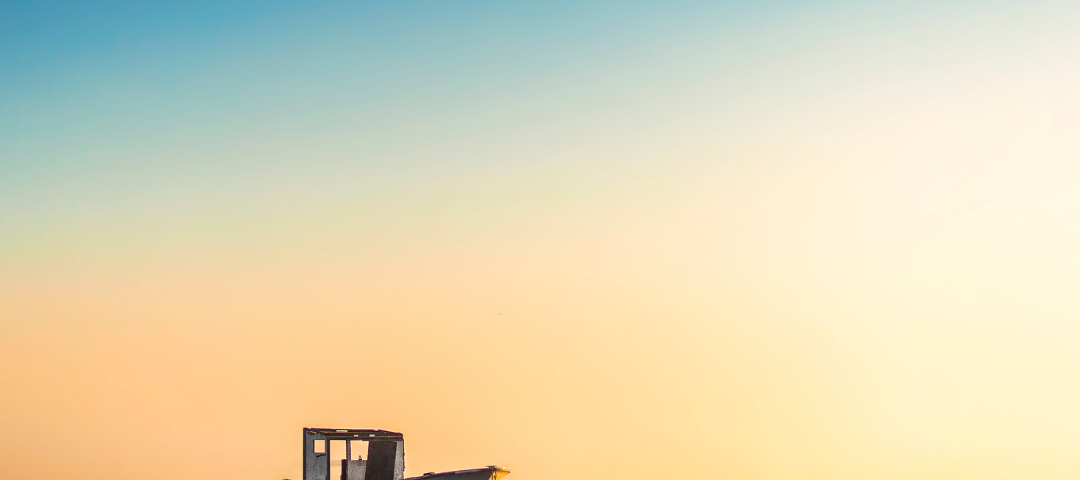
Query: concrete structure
(385, 452)
(385, 457)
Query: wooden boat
(487, 473)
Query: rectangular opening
(337, 452)
(320, 446)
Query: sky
(581, 240)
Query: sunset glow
(580, 240)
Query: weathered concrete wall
(316, 465)
(386, 460)
(353, 469)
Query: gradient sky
(582, 240)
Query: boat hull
(486, 473)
